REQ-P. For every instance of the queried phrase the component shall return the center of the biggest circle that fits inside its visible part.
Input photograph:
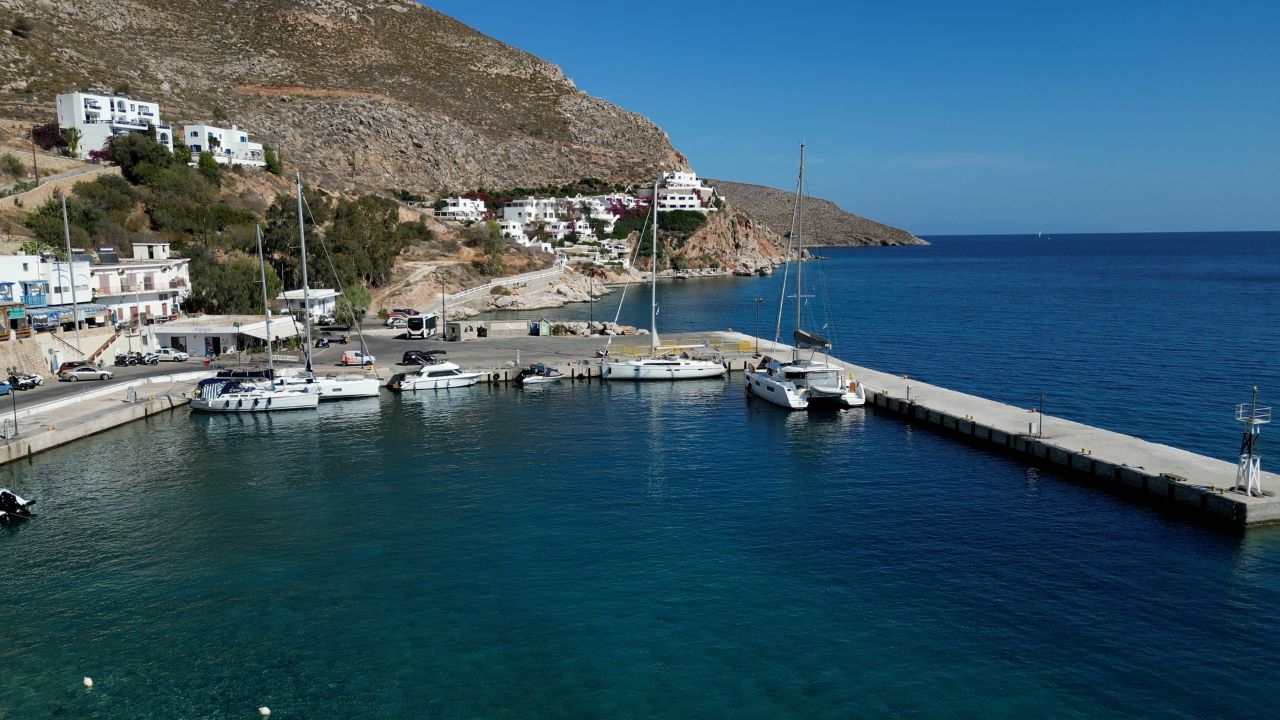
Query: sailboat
(802, 381)
(330, 387)
(232, 395)
(658, 365)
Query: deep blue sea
(674, 551)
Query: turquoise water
(612, 551)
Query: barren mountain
(826, 224)
(368, 94)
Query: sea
(677, 551)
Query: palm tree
(72, 136)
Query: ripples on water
(614, 551)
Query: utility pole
(758, 301)
(35, 166)
(75, 307)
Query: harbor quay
(1202, 485)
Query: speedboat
(13, 507)
(242, 395)
(538, 374)
(440, 375)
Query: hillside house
(102, 117)
(463, 210)
(229, 146)
(148, 287)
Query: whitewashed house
(464, 210)
(679, 199)
(229, 146)
(679, 184)
(101, 117)
(323, 302)
(144, 288)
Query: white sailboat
(659, 365)
(330, 387)
(244, 395)
(803, 381)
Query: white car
(166, 353)
(355, 357)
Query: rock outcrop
(732, 240)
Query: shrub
(48, 136)
(181, 152)
(210, 168)
(272, 160)
(11, 165)
(21, 26)
(138, 156)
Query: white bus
(421, 326)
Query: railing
(64, 342)
(471, 293)
(34, 299)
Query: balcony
(125, 122)
(35, 299)
(177, 284)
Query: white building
(679, 185)
(150, 285)
(210, 335)
(101, 117)
(679, 199)
(323, 302)
(460, 209)
(42, 285)
(229, 146)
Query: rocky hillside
(731, 239)
(361, 94)
(825, 223)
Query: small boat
(765, 271)
(12, 507)
(682, 276)
(538, 374)
(440, 375)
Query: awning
(279, 329)
(84, 309)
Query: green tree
(45, 224)
(72, 136)
(209, 168)
(138, 156)
(181, 152)
(273, 162)
(439, 204)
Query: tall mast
(266, 305)
(306, 290)
(653, 283)
(799, 238)
(71, 275)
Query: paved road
(53, 389)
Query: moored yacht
(438, 375)
(658, 365)
(802, 382)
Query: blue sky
(948, 117)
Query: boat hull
(645, 370)
(345, 388)
(443, 383)
(250, 403)
(770, 389)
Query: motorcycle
(322, 342)
(149, 359)
(124, 359)
(25, 381)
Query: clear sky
(947, 117)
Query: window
(195, 133)
(24, 267)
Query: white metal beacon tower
(1249, 473)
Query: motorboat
(661, 363)
(538, 374)
(13, 507)
(440, 375)
(805, 380)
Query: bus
(421, 326)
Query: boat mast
(653, 283)
(799, 242)
(266, 306)
(306, 291)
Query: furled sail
(804, 338)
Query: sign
(17, 313)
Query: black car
(419, 357)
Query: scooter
(322, 342)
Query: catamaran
(658, 365)
(330, 387)
(802, 381)
(231, 394)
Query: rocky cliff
(361, 94)
(826, 224)
(732, 240)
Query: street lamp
(239, 350)
(13, 396)
(759, 300)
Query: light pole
(13, 396)
(758, 301)
(239, 350)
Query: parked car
(397, 321)
(407, 312)
(355, 357)
(85, 372)
(168, 353)
(5, 388)
(419, 357)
